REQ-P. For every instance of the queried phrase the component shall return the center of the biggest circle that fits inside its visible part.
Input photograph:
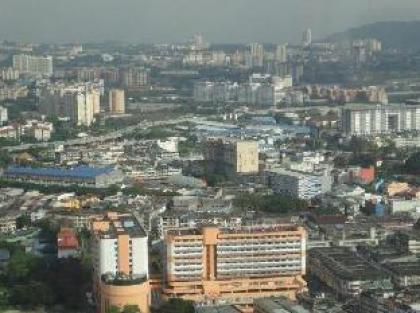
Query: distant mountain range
(402, 35)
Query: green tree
(4, 297)
(113, 309)
(412, 165)
(21, 266)
(177, 306)
(270, 203)
(23, 221)
(131, 309)
(32, 294)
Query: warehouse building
(277, 305)
(405, 273)
(345, 272)
(80, 175)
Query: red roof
(67, 239)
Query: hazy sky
(175, 20)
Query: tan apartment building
(116, 101)
(234, 266)
(238, 156)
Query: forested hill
(400, 35)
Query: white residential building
(360, 119)
(34, 65)
(3, 115)
(302, 185)
(79, 102)
(120, 245)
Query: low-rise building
(8, 223)
(298, 184)
(277, 305)
(80, 175)
(217, 309)
(404, 273)
(67, 243)
(345, 272)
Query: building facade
(120, 266)
(346, 273)
(116, 101)
(277, 305)
(79, 103)
(134, 78)
(234, 156)
(80, 175)
(234, 266)
(34, 65)
(359, 120)
(302, 185)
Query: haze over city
(219, 21)
(218, 156)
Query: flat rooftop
(370, 106)
(279, 305)
(346, 264)
(411, 268)
(74, 172)
(123, 224)
(240, 230)
(217, 309)
(295, 173)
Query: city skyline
(174, 21)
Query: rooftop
(370, 106)
(346, 264)
(404, 268)
(78, 171)
(217, 309)
(255, 229)
(280, 305)
(122, 224)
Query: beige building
(235, 266)
(116, 101)
(121, 266)
(236, 156)
(96, 98)
(79, 102)
(134, 78)
(83, 108)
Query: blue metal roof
(76, 172)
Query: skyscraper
(256, 54)
(35, 65)
(78, 102)
(134, 78)
(307, 38)
(116, 101)
(281, 53)
(82, 104)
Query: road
(146, 124)
(110, 136)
